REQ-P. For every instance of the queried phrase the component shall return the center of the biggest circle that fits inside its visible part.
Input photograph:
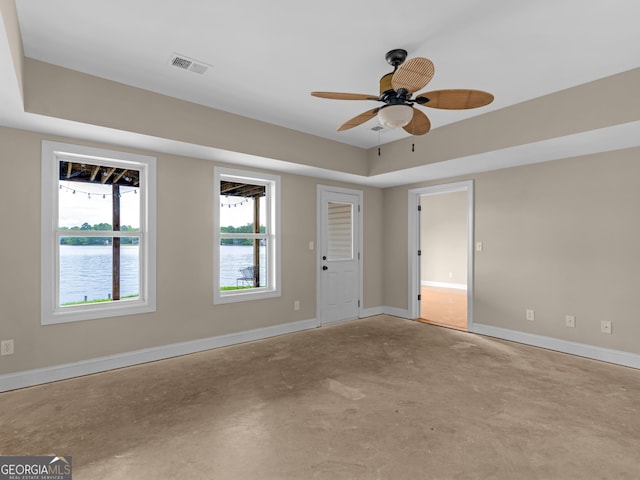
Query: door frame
(358, 225)
(414, 243)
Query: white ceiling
(266, 57)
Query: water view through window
(86, 273)
(99, 234)
(243, 248)
(246, 236)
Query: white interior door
(339, 252)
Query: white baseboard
(455, 286)
(337, 322)
(580, 349)
(396, 312)
(12, 381)
(371, 312)
(29, 378)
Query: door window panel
(339, 231)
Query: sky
(237, 211)
(88, 205)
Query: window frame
(51, 311)
(272, 234)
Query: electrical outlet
(6, 347)
(296, 305)
(605, 326)
(531, 315)
(570, 321)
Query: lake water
(235, 257)
(85, 271)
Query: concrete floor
(378, 398)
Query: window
(98, 233)
(339, 231)
(246, 236)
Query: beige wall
(443, 238)
(184, 263)
(62, 93)
(9, 17)
(559, 237)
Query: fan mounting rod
(396, 57)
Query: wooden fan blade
(344, 96)
(413, 74)
(360, 119)
(455, 99)
(419, 124)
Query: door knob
(324, 267)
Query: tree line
(248, 228)
(97, 240)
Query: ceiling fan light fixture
(395, 116)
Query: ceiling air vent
(186, 63)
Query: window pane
(238, 266)
(86, 270)
(246, 219)
(238, 207)
(340, 231)
(86, 203)
(99, 244)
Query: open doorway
(441, 269)
(443, 259)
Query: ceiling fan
(396, 92)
